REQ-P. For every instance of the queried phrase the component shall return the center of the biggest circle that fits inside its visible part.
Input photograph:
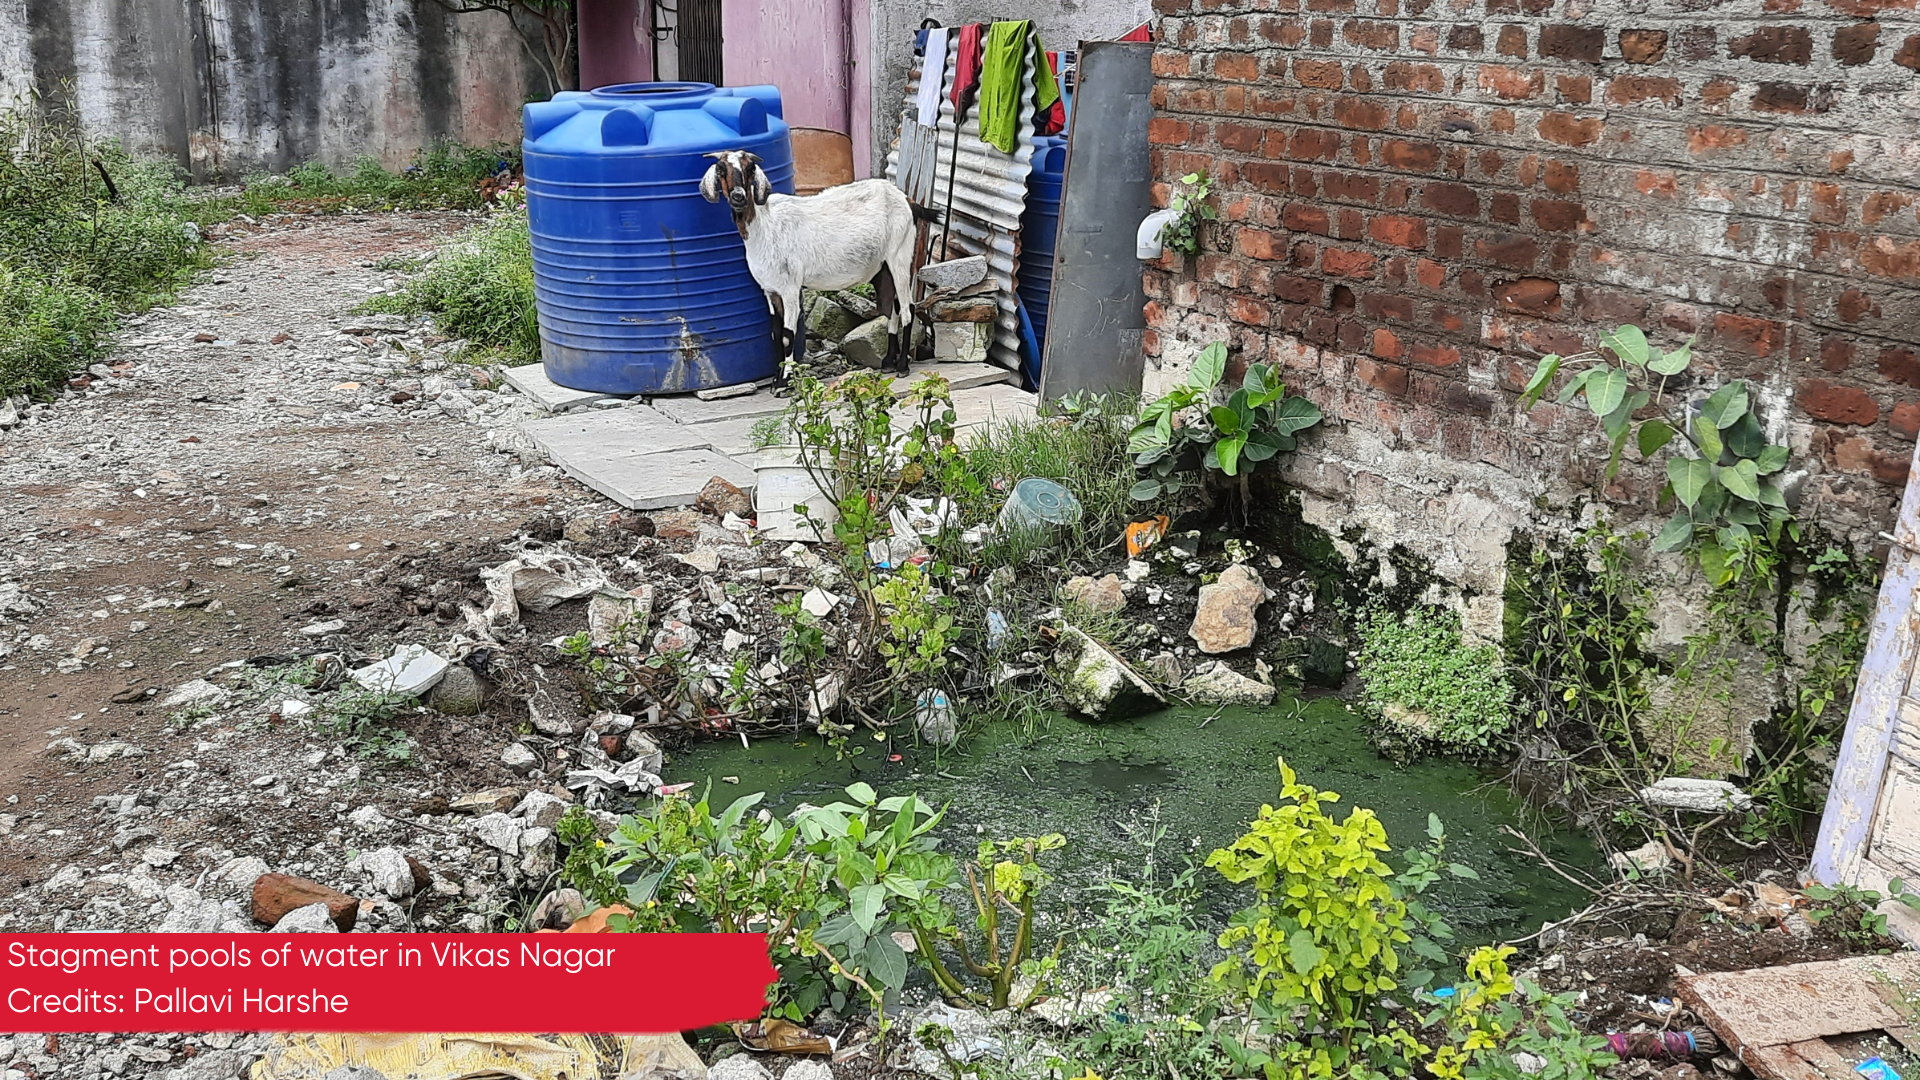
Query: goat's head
(737, 177)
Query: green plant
(445, 175)
(363, 722)
(1427, 688)
(1183, 429)
(1732, 510)
(1851, 913)
(480, 288)
(828, 886)
(1189, 202)
(918, 624)
(1003, 878)
(1482, 1028)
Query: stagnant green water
(1205, 773)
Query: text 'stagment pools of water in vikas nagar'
(643, 983)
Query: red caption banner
(618, 984)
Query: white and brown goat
(844, 236)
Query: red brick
(1634, 89)
(1418, 157)
(1511, 83)
(1465, 38)
(1505, 208)
(1563, 177)
(1245, 309)
(1361, 113)
(1307, 218)
(1386, 344)
(1904, 420)
(1389, 379)
(1170, 64)
(1454, 200)
(1711, 137)
(1774, 45)
(1166, 131)
(1574, 89)
(1390, 306)
(1855, 305)
(1379, 36)
(1265, 175)
(1436, 355)
(1343, 262)
(1555, 215)
(1325, 74)
(1295, 289)
(1414, 78)
(1656, 183)
(1908, 55)
(1567, 41)
(1898, 364)
(1512, 42)
(1854, 45)
(1570, 130)
(1761, 337)
(1853, 453)
(1889, 257)
(1528, 296)
(1514, 250)
(1777, 97)
(1698, 43)
(1836, 354)
(1399, 230)
(1240, 67)
(1260, 244)
(1240, 138)
(1882, 204)
(1312, 144)
(1350, 187)
(1643, 46)
(274, 895)
(1836, 404)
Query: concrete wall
(229, 86)
(1063, 24)
(1419, 200)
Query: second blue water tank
(641, 285)
(1040, 230)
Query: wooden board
(1761, 1009)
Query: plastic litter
(1705, 796)
(1876, 1069)
(996, 629)
(537, 580)
(1662, 1045)
(1142, 535)
(1037, 503)
(782, 483)
(776, 1036)
(431, 1057)
(412, 670)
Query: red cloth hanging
(966, 69)
(1051, 120)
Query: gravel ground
(251, 467)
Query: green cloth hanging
(1002, 58)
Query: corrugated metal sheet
(989, 190)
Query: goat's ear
(710, 184)
(762, 187)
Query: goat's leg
(899, 269)
(887, 292)
(795, 346)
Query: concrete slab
(687, 409)
(655, 481)
(733, 438)
(531, 380)
(959, 376)
(636, 429)
(988, 405)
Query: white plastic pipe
(1146, 244)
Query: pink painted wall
(801, 46)
(613, 43)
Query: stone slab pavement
(653, 453)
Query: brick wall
(1420, 197)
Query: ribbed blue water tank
(1040, 229)
(642, 285)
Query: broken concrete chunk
(311, 919)
(955, 273)
(540, 810)
(1224, 621)
(1217, 684)
(275, 895)
(517, 758)
(412, 670)
(391, 872)
(492, 800)
(196, 692)
(1100, 685)
(500, 832)
(961, 342)
(866, 345)
(1649, 858)
(1102, 596)
(1705, 796)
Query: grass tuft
(480, 288)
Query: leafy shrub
(443, 176)
(1184, 432)
(1427, 688)
(1004, 874)
(480, 288)
(1482, 1028)
(828, 885)
(47, 331)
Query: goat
(842, 237)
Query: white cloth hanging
(933, 77)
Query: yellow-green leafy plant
(1487, 1019)
(1002, 880)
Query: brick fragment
(1571, 41)
(1760, 337)
(1643, 46)
(1823, 400)
(1528, 296)
(1570, 130)
(1854, 45)
(1774, 45)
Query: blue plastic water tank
(1040, 230)
(641, 285)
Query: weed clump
(480, 288)
(1429, 691)
(443, 176)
